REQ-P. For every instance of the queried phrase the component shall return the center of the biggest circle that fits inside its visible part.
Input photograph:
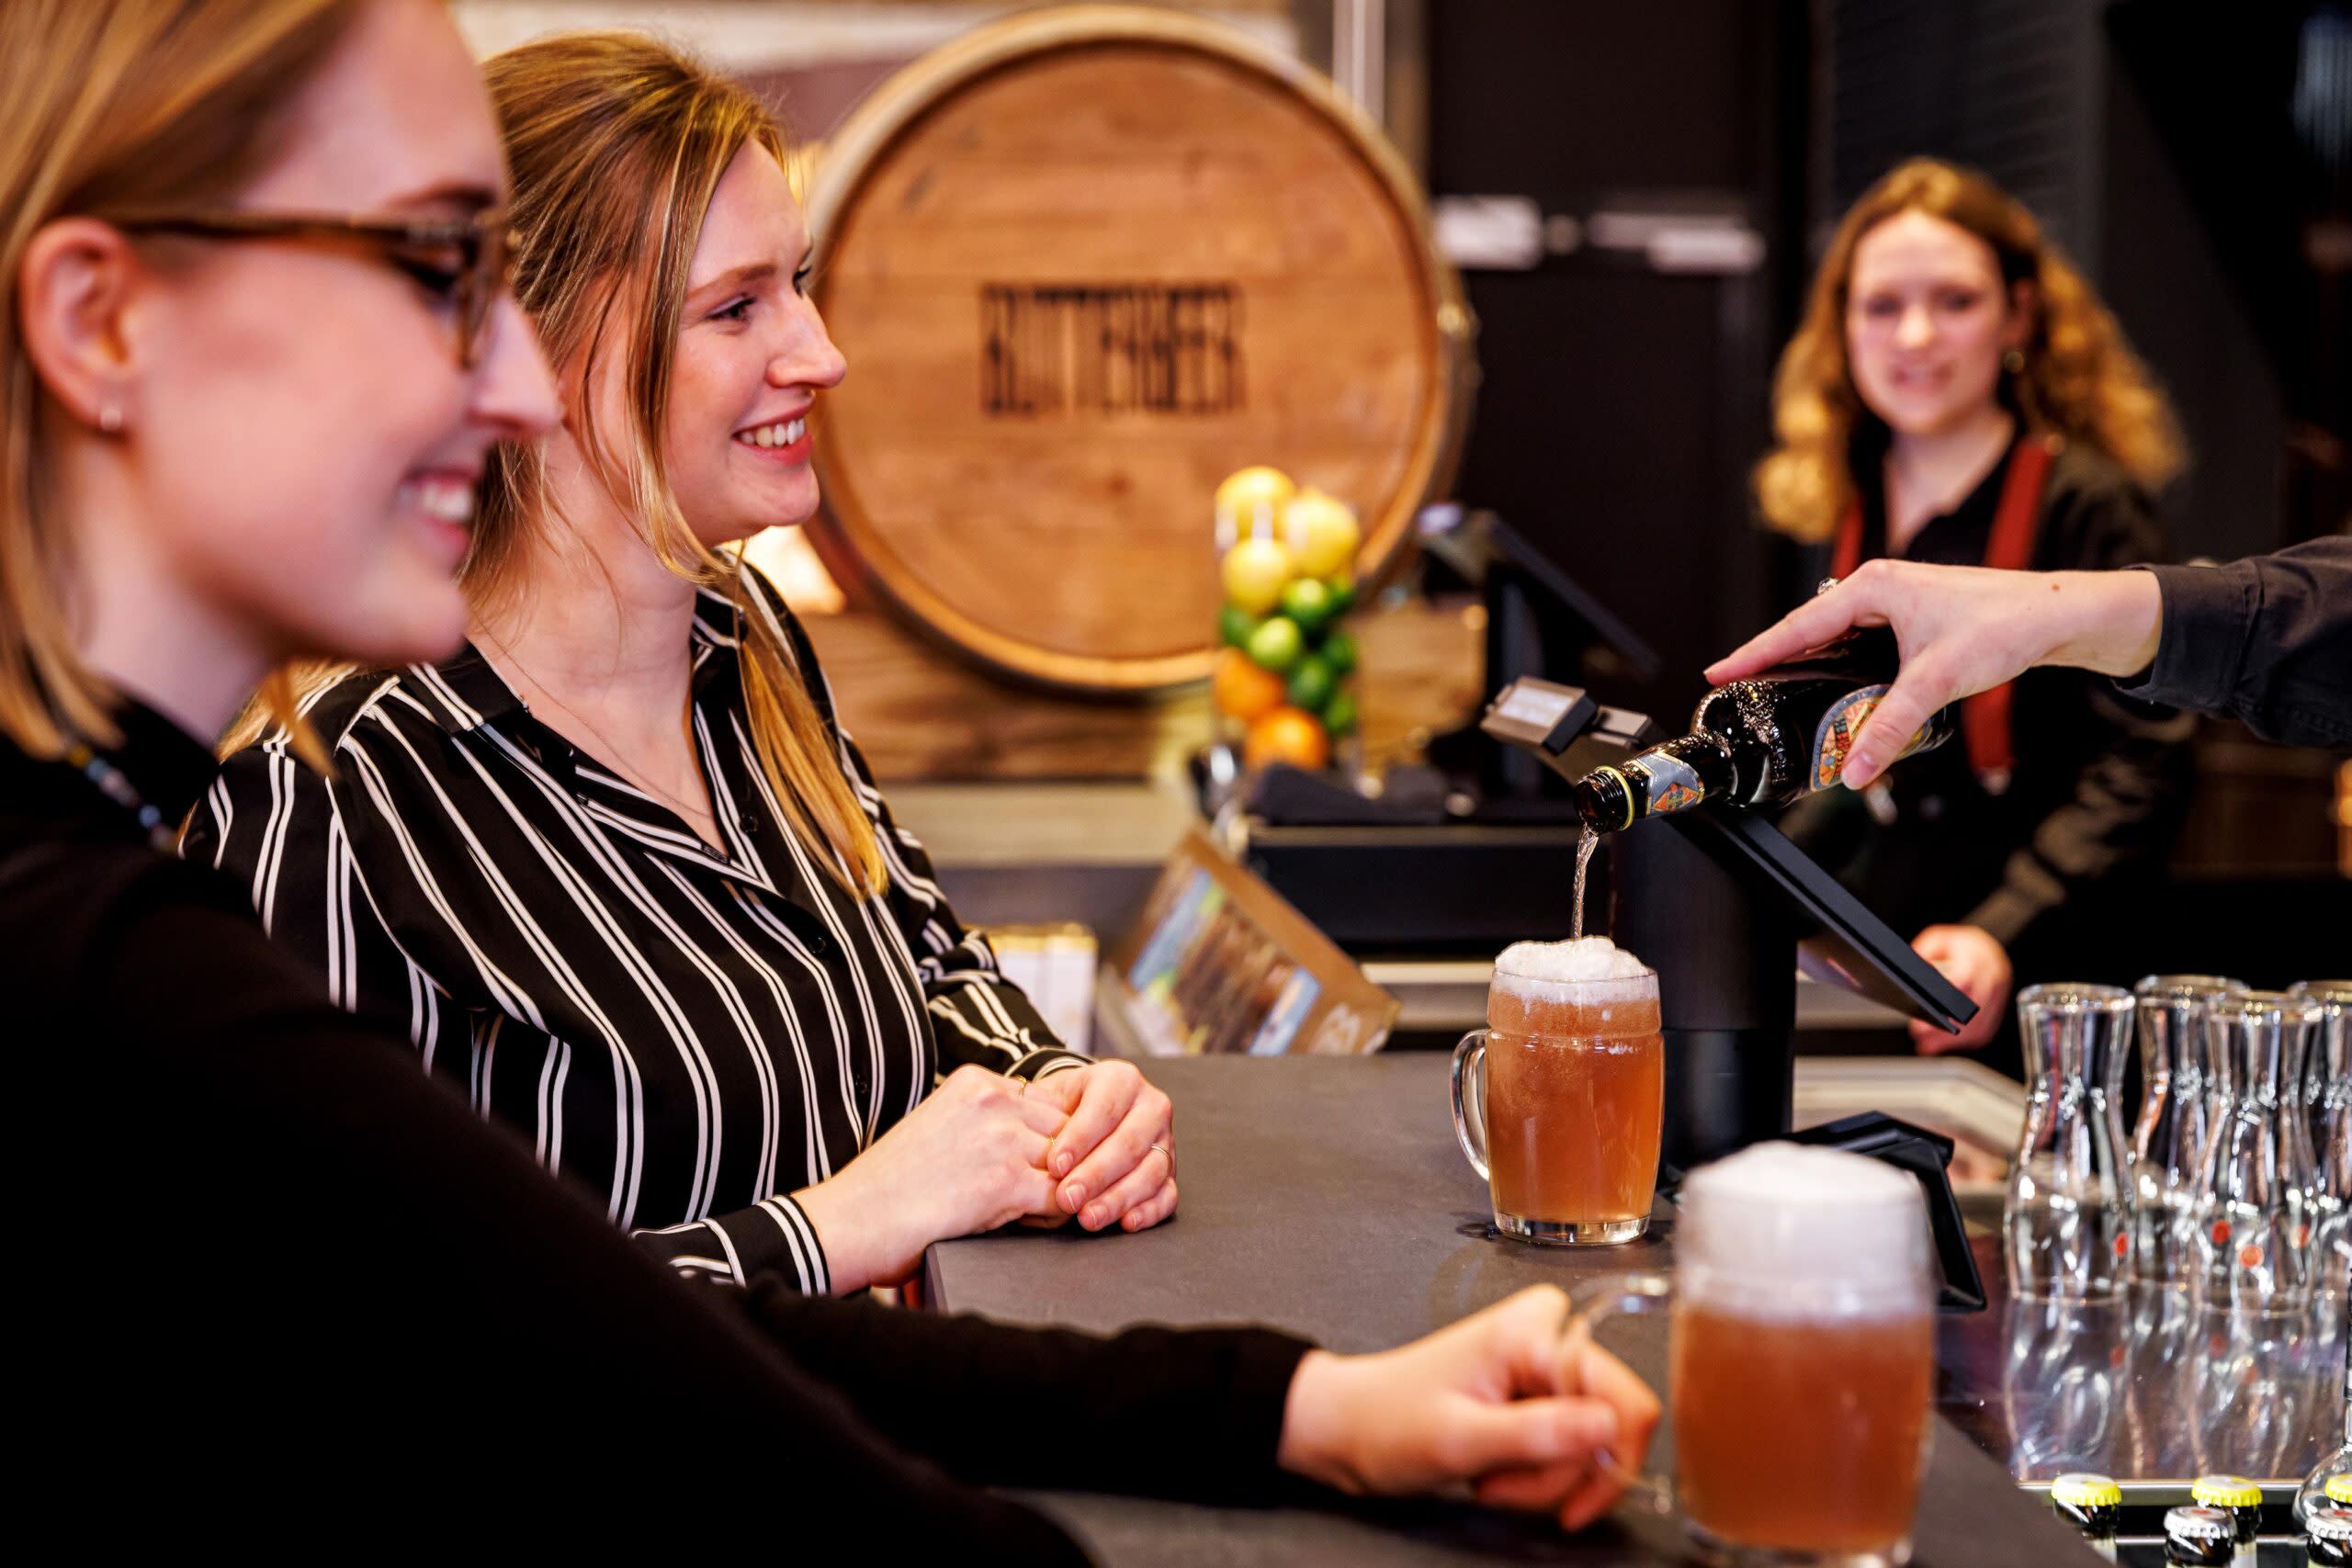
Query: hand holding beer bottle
(1962, 630)
(1762, 740)
(1788, 729)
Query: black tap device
(1718, 901)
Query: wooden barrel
(1084, 263)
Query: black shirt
(2266, 639)
(2099, 781)
(691, 1035)
(326, 1286)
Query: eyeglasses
(465, 264)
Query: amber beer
(1575, 1099)
(1803, 1355)
(1800, 1436)
(1566, 1124)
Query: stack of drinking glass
(2235, 1180)
(2224, 1212)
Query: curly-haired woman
(1958, 395)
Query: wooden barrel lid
(1085, 263)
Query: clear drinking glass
(1802, 1358)
(2067, 1219)
(1560, 1104)
(2063, 1384)
(2331, 1480)
(2165, 1328)
(2168, 1146)
(2328, 1097)
(2291, 1130)
(2252, 1254)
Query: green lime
(1276, 645)
(1339, 718)
(1309, 602)
(1343, 594)
(1311, 683)
(1339, 652)
(1234, 625)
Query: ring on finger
(1170, 1154)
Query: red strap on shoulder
(1849, 553)
(1984, 718)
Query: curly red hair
(2080, 379)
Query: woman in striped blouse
(614, 869)
(256, 344)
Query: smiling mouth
(784, 432)
(445, 498)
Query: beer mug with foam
(1802, 1358)
(1560, 1100)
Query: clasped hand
(983, 1150)
(1115, 1160)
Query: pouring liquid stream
(1586, 842)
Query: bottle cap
(2330, 1524)
(2226, 1491)
(2083, 1490)
(2207, 1534)
(2339, 1488)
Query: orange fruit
(1286, 735)
(1241, 690)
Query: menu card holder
(1218, 963)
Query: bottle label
(1841, 725)
(1670, 784)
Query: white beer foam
(1596, 967)
(1783, 1231)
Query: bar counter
(1326, 1196)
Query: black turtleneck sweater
(325, 1303)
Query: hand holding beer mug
(1802, 1358)
(1560, 1100)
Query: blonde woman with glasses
(256, 348)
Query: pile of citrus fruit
(1285, 660)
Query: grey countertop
(1326, 1196)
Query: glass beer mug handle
(1591, 1306)
(1470, 1125)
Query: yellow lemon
(1255, 570)
(1322, 531)
(1247, 489)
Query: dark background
(2192, 159)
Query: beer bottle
(2199, 1538)
(2328, 1533)
(2090, 1504)
(2239, 1498)
(1761, 741)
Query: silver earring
(110, 418)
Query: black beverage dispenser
(1718, 902)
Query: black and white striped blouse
(692, 1037)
